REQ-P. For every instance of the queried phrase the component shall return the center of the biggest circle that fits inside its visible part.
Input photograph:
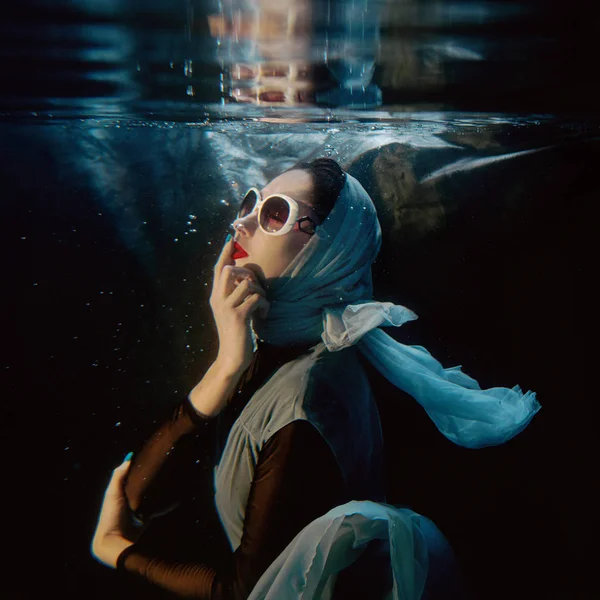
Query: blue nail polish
(228, 238)
(129, 456)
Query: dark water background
(115, 206)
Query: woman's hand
(114, 531)
(236, 296)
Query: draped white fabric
(308, 567)
(326, 294)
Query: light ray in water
(469, 164)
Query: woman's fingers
(223, 260)
(254, 303)
(243, 291)
(115, 485)
(233, 276)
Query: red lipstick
(238, 252)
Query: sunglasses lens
(275, 213)
(248, 204)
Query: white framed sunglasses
(277, 213)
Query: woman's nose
(246, 225)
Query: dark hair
(328, 179)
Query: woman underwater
(299, 480)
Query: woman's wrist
(108, 549)
(215, 389)
(225, 369)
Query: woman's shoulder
(276, 397)
(317, 369)
(321, 367)
(335, 386)
(294, 391)
(338, 369)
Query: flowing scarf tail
(326, 292)
(461, 410)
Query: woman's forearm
(159, 471)
(215, 389)
(156, 481)
(297, 479)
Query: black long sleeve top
(296, 480)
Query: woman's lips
(239, 252)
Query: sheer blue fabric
(326, 294)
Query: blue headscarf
(326, 294)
